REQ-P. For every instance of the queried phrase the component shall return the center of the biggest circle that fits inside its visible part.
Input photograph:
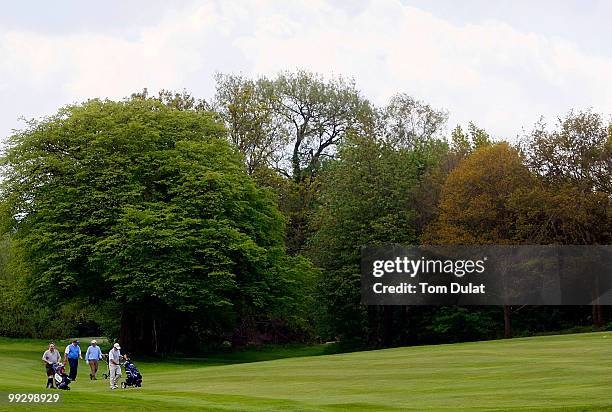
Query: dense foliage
(368, 197)
(171, 222)
(148, 206)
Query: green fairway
(566, 372)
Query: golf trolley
(105, 375)
(133, 378)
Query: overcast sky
(502, 64)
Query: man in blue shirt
(92, 356)
(72, 354)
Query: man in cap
(72, 354)
(92, 356)
(114, 364)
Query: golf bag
(132, 375)
(62, 381)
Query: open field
(566, 372)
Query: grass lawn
(565, 372)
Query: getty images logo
(412, 267)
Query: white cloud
(489, 72)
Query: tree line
(175, 223)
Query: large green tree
(148, 206)
(368, 197)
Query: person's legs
(74, 364)
(115, 372)
(93, 365)
(49, 370)
(112, 377)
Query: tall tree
(578, 151)
(367, 197)
(574, 206)
(477, 202)
(292, 121)
(317, 114)
(289, 126)
(147, 205)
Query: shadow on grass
(248, 355)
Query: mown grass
(550, 373)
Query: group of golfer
(72, 354)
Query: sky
(502, 64)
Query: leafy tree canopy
(138, 200)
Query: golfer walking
(50, 357)
(73, 354)
(114, 358)
(92, 356)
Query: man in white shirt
(114, 365)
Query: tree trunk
(295, 161)
(507, 324)
(388, 325)
(597, 315)
(373, 338)
(405, 324)
(596, 307)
